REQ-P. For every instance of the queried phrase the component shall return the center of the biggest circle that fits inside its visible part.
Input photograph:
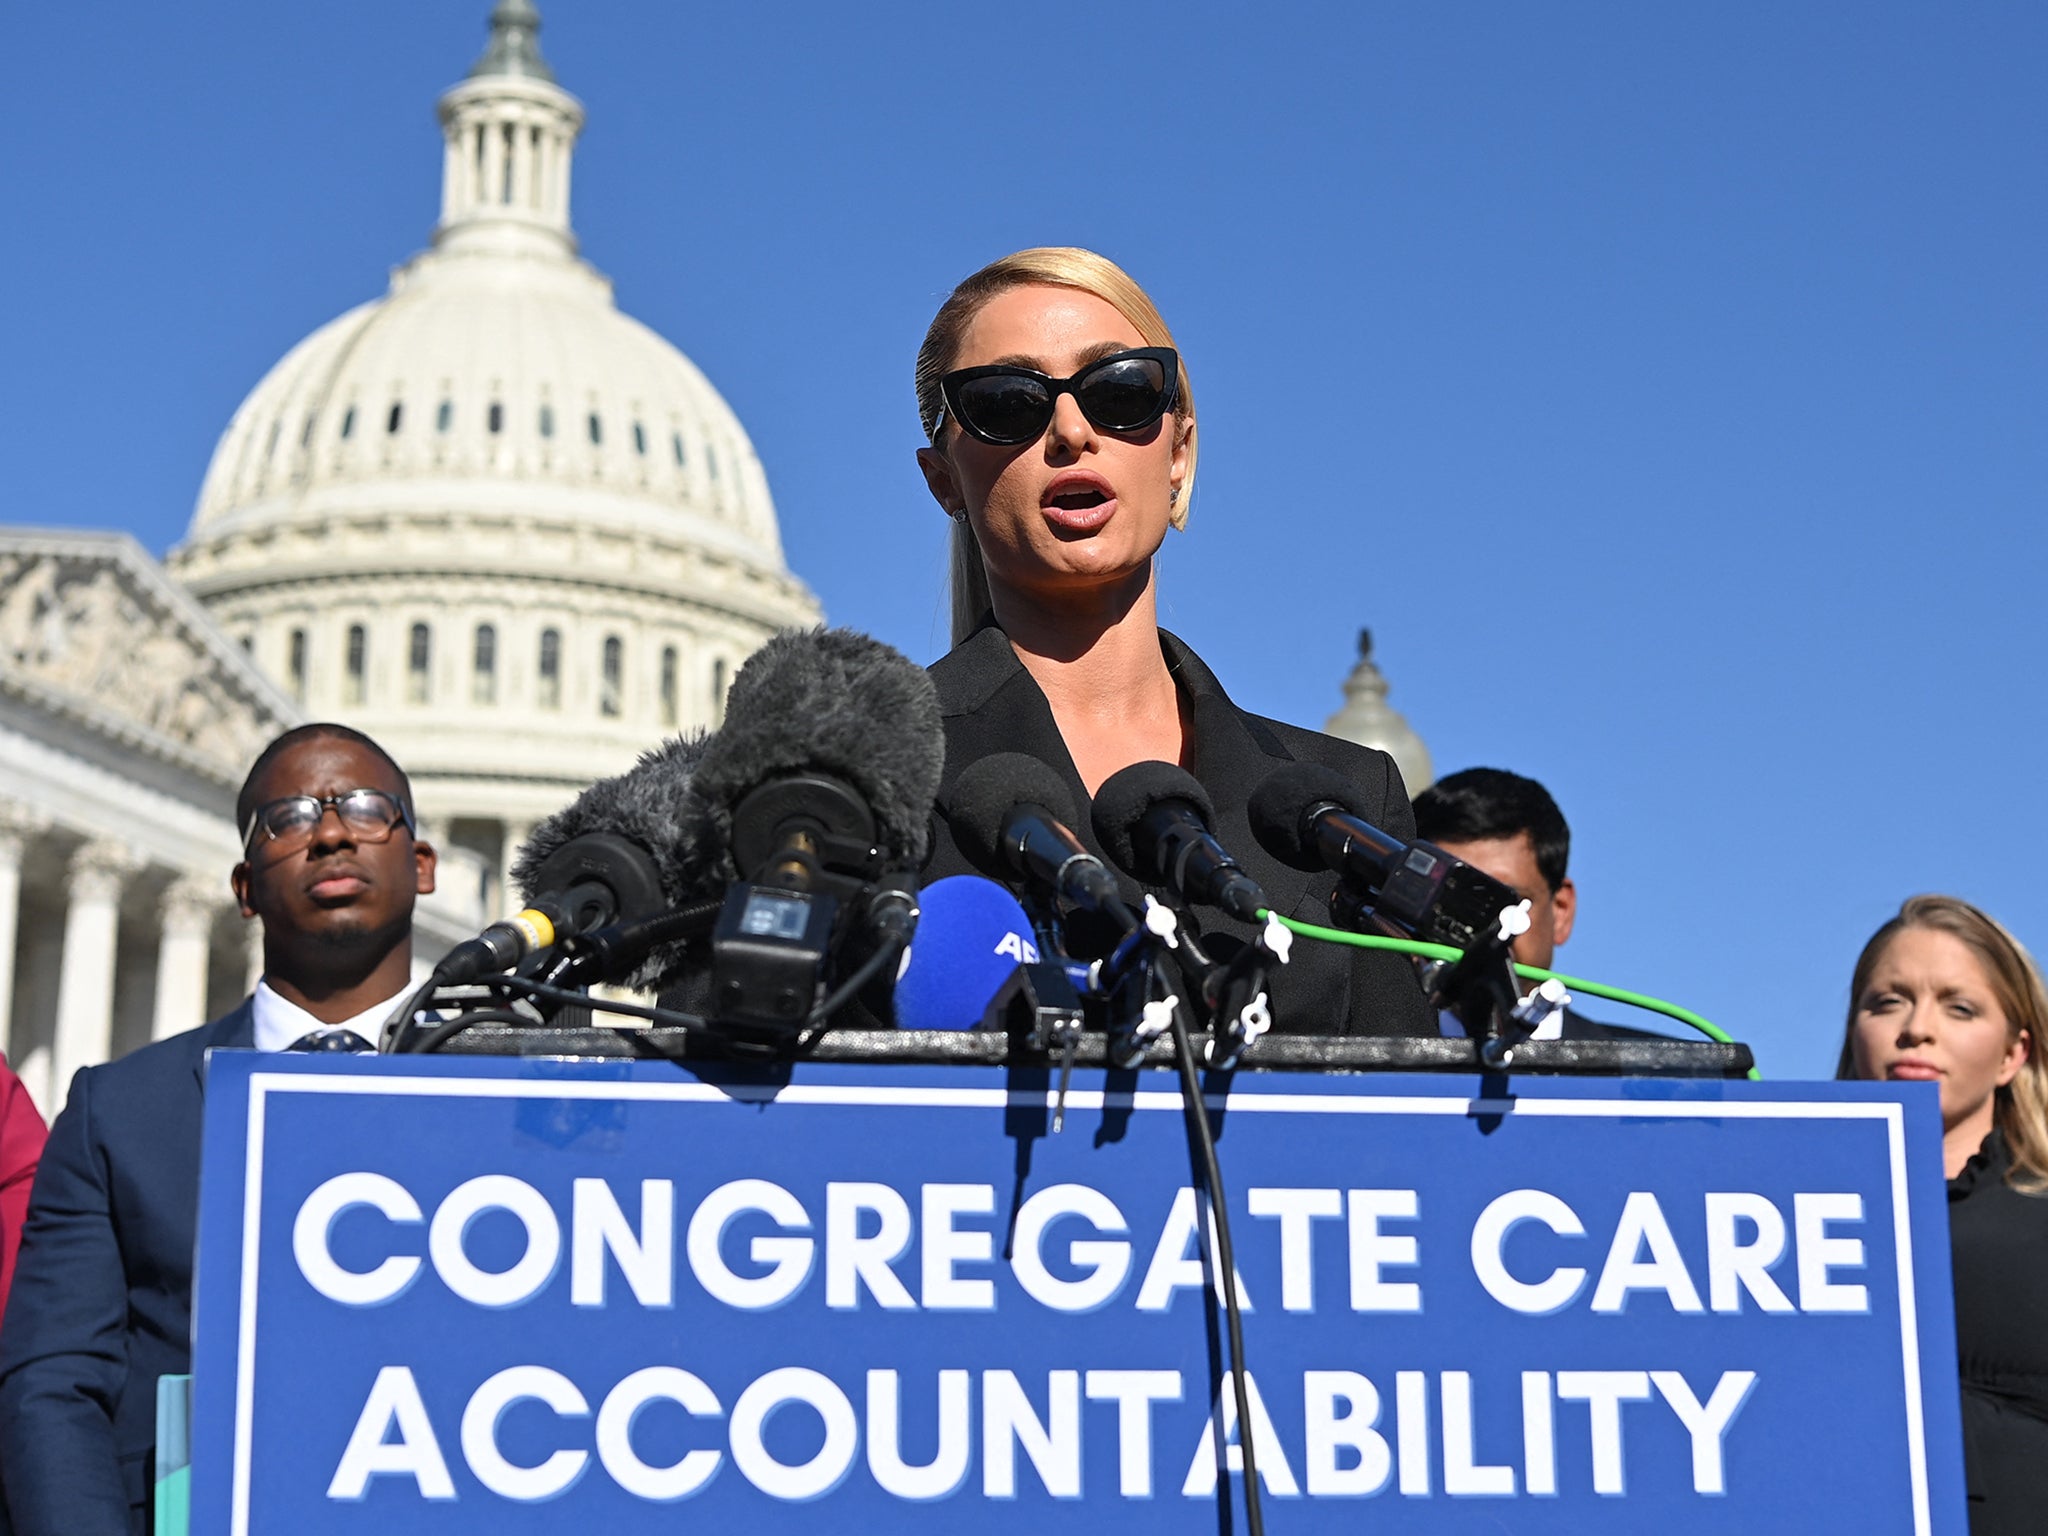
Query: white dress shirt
(280, 1024)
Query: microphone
(828, 734)
(821, 778)
(812, 801)
(1010, 815)
(1312, 817)
(1153, 820)
(622, 851)
(971, 937)
(593, 880)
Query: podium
(480, 1294)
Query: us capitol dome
(503, 527)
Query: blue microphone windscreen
(971, 935)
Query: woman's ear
(2016, 1055)
(940, 480)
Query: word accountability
(1343, 1453)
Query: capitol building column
(16, 826)
(187, 913)
(85, 990)
(516, 834)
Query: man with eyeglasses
(102, 1298)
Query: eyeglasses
(1006, 405)
(368, 815)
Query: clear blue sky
(1664, 385)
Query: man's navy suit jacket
(102, 1300)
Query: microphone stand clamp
(1238, 996)
(1480, 990)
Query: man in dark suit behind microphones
(1511, 828)
(102, 1298)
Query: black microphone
(832, 749)
(589, 882)
(813, 812)
(1153, 820)
(621, 853)
(1010, 815)
(820, 781)
(1313, 817)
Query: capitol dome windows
(547, 421)
(610, 698)
(549, 693)
(444, 416)
(393, 421)
(639, 439)
(295, 664)
(348, 422)
(676, 438)
(718, 686)
(354, 683)
(494, 419)
(484, 675)
(670, 704)
(419, 664)
(596, 431)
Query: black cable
(863, 973)
(819, 1018)
(402, 1016)
(542, 992)
(1226, 1263)
(448, 1029)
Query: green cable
(1532, 973)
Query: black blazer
(102, 1299)
(991, 704)
(1998, 1240)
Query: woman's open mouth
(1078, 503)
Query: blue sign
(507, 1296)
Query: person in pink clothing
(21, 1146)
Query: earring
(958, 514)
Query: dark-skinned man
(102, 1297)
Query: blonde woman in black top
(1944, 994)
(1061, 441)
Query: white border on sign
(262, 1084)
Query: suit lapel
(1233, 754)
(992, 704)
(233, 1030)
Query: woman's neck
(1096, 658)
(1965, 1139)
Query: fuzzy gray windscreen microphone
(650, 803)
(828, 701)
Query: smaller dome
(1369, 720)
